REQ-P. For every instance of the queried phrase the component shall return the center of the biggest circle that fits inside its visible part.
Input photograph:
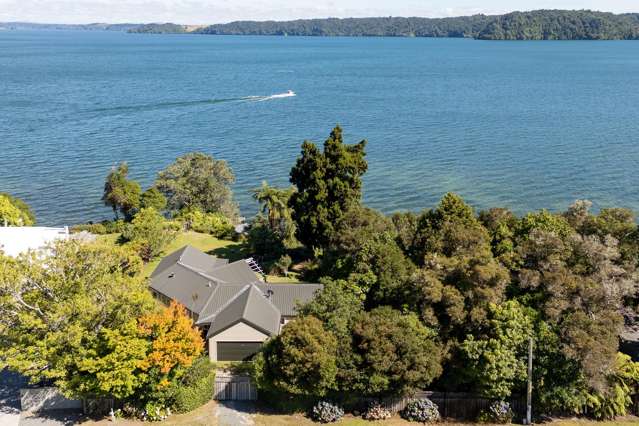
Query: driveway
(234, 413)
(10, 384)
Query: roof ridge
(228, 302)
(200, 272)
(209, 300)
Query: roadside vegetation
(445, 299)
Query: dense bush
(148, 234)
(215, 224)
(624, 383)
(154, 412)
(498, 412)
(280, 267)
(376, 411)
(101, 228)
(263, 241)
(325, 412)
(196, 387)
(420, 410)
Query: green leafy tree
(15, 212)
(300, 360)
(198, 181)
(459, 278)
(501, 224)
(148, 233)
(358, 226)
(120, 193)
(578, 287)
(338, 305)
(153, 198)
(70, 318)
(381, 270)
(399, 355)
(328, 183)
(11, 215)
(497, 360)
(263, 241)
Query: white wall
(19, 239)
(240, 332)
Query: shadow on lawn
(232, 252)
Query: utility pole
(529, 390)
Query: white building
(15, 240)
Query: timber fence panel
(230, 387)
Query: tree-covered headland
(533, 25)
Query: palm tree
(274, 204)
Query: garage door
(236, 351)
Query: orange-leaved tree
(175, 343)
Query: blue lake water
(525, 125)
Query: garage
(236, 351)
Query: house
(15, 240)
(235, 309)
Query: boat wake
(170, 105)
(288, 94)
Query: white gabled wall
(240, 332)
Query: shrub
(421, 410)
(325, 412)
(215, 224)
(281, 266)
(498, 412)
(100, 228)
(93, 228)
(263, 241)
(196, 387)
(154, 412)
(149, 233)
(376, 412)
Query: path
(234, 413)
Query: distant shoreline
(534, 25)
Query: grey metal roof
(250, 306)
(193, 258)
(189, 287)
(287, 296)
(235, 273)
(206, 286)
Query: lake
(524, 125)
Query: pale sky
(217, 11)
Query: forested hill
(536, 25)
(160, 29)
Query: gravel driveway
(234, 413)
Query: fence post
(529, 389)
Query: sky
(219, 11)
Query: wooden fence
(231, 387)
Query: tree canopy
(533, 25)
(121, 193)
(198, 181)
(15, 212)
(327, 184)
(70, 318)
